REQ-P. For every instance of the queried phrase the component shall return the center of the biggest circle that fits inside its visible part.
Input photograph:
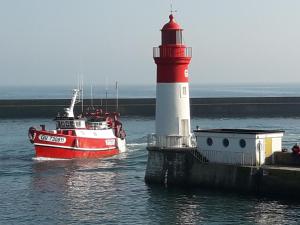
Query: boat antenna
(117, 96)
(92, 105)
(81, 89)
(105, 100)
(106, 94)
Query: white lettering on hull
(55, 139)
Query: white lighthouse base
(171, 141)
(172, 110)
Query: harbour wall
(200, 107)
(177, 167)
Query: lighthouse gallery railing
(172, 52)
(172, 141)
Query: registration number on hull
(110, 142)
(55, 139)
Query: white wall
(171, 107)
(251, 154)
(233, 153)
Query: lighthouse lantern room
(172, 90)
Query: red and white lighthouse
(172, 90)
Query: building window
(209, 141)
(242, 143)
(225, 142)
(184, 91)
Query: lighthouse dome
(171, 25)
(171, 32)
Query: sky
(50, 42)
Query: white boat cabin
(238, 146)
(71, 123)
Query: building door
(185, 132)
(268, 147)
(184, 128)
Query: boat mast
(106, 93)
(106, 101)
(70, 111)
(92, 104)
(117, 100)
(81, 89)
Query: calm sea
(198, 91)
(112, 190)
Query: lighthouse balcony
(171, 141)
(172, 51)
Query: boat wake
(48, 159)
(132, 147)
(136, 144)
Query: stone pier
(181, 167)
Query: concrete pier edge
(180, 168)
(200, 107)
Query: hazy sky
(48, 42)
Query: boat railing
(171, 141)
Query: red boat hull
(64, 153)
(60, 146)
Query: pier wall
(181, 168)
(200, 107)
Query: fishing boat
(91, 134)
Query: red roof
(171, 25)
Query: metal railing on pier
(172, 141)
(232, 158)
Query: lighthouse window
(242, 143)
(184, 91)
(225, 142)
(172, 37)
(209, 141)
(178, 37)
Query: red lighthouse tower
(172, 91)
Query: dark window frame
(242, 143)
(209, 141)
(225, 142)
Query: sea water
(113, 191)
